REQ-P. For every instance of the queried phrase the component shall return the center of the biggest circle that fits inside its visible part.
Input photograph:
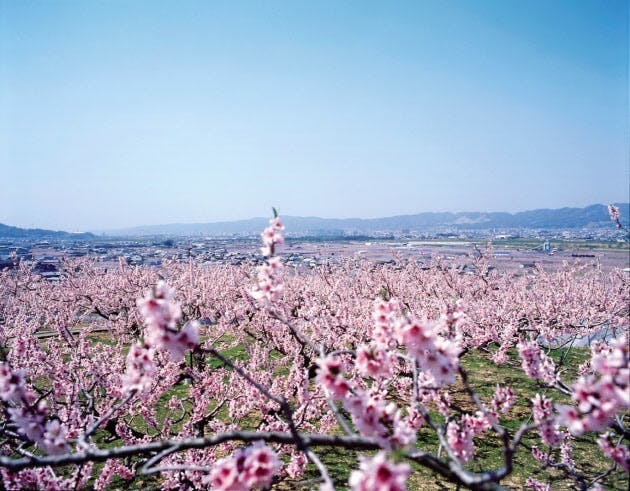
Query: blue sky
(119, 113)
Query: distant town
(505, 249)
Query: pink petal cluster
(384, 315)
(616, 452)
(375, 361)
(270, 286)
(379, 474)
(161, 314)
(437, 356)
(140, 371)
(543, 416)
(329, 375)
(599, 396)
(13, 387)
(376, 418)
(503, 399)
(537, 485)
(29, 415)
(272, 236)
(460, 439)
(535, 362)
(247, 468)
(613, 211)
(480, 422)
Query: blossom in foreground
(380, 474)
(247, 468)
(161, 314)
(599, 396)
(535, 485)
(548, 429)
(329, 375)
(460, 440)
(616, 452)
(30, 416)
(437, 356)
(613, 211)
(535, 362)
(141, 370)
(270, 287)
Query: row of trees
(239, 378)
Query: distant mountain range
(8, 232)
(594, 216)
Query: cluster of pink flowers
(270, 287)
(29, 415)
(617, 453)
(161, 314)
(535, 485)
(437, 356)
(247, 468)
(375, 361)
(370, 412)
(379, 474)
(543, 416)
(460, 439)
(330, 376)
(613, 211)
(272, 236)
(140, 368)
(376, 418)
(384, 315)
(535, 362)
(503, 399)
(599, 396)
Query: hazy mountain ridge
(562, 218)
(7, 231)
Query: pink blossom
(270, 286)
(460, 439)
(613, 211)
(246, 468)
(12, 387)
(384, 322)
(259, 466)
(537, 485)
(437, 356)
(543, 416)
(379, 474)
(297, 464)
(374, 361)
(30, 420)
(503, 399)
(161, 314)
(140, 371)
(616, 452)
(329, 375)
(535, 363)
(599, 396)
(158, 308)
(54, 438)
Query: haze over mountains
(9, 232)
(563, 218)
(594, 216)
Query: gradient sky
(120, 113)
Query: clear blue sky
(118, 113)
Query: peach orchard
(236, 378)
